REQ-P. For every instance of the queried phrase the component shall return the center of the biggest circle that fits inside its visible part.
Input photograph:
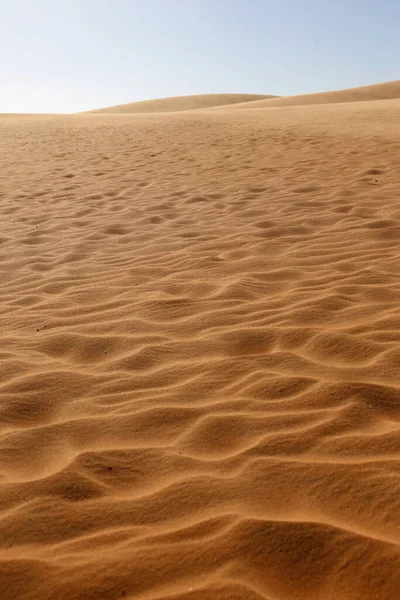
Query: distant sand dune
(179, 103)
(200, 352)
(380, 91)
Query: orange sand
(200, 355)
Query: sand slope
(200, 351)
(381, 91)
(179, 103)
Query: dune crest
(381, 91)
(200, 346)
(179, 103)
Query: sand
(380, 91)
(180, 103)
(200, 355)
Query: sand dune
(200, 350)
(381, 91)
(179, 103)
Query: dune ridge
(199, 383)
(179, 103)
(388, 90)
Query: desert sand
(380, 91)
(200, 353)
(180, 103)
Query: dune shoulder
(181, 103)
(382, 91)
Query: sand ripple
(200, 383)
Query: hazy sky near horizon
(75, 55)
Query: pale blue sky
(73, 55)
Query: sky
(63, 56)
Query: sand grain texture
(200, 352)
